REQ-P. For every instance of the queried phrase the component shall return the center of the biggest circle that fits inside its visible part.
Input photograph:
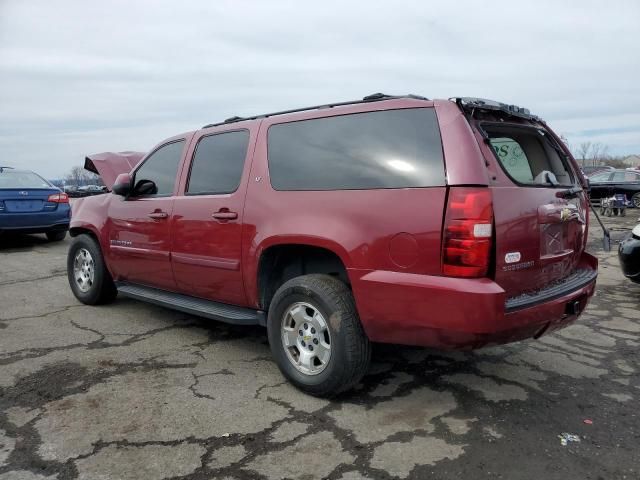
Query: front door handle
(158, 215)
(225, 215)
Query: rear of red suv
(513, 240)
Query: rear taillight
(58, 198)
(468, 232)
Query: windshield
(529, 156)
(10, 179)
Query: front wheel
(316, 337)
(88, 276)
(636, 200)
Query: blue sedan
(30, 204)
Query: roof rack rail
(374, 97)
(2, 168)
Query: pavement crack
(28, 280)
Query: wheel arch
(279, 262)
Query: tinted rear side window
(218, 163)
(386, 149)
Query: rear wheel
(56, 236)
(88, 276)
(636, 200)
(316, 337)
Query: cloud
(80, 77)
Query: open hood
(111, 164)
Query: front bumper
(629, 256)
(454, 313)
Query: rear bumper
(452, 313)
(37, 222)
(629, 256)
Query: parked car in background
(607, 184)
(30, 204)
(336, 226)
(84, 190)
(629, 255)
(74, 192)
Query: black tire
(102, 290)
(350, 347)
(56, 236)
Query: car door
(207, 216)
(138, 230)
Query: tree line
(78, 177)
(593, 154)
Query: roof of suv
(375, 97)
(469, 104)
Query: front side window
(218, 163)
(619, 176)
(529, 156)
(385, 149)
(161, 168)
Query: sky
(82, 77)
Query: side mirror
(588, 185)
(122, 185)
(145, 187)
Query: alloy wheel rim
(83, 270)
(306, 338)
(636, 200)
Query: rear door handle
(158, 215)
(225, 215)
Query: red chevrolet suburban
(444, 223)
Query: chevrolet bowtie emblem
(565, 214)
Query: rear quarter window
(385, 149)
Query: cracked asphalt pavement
(134, 391)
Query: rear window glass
(529, 156)
(9, 179)
(386, 149)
